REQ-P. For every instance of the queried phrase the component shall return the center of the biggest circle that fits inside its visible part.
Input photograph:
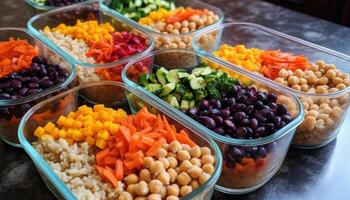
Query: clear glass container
(11, 111)
(313, 132)
(120, 97)
(89, 10)
(233, 180)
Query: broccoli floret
(202, 64)
(200, 94)
(225, 82)
(213, 89)
(188, 96)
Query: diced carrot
(154, 149)
(185, 140)
(119, 170)
(109, 160)
(101, 155)
(126, 133)
(110, 177)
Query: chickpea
(208, 168)
(309, 123)
(302, 81)
(299, 73)
(173, 45)
(173, 174)
(314, 107)
(207, 159)
(320, 63)
(131, 188)
(329, 122)
(163, 192)
(304, 87)
(172, 162)
(321, 90)
(195, 184)
(185, 23)
(172, 155)
(336, 112)
(182, 45)
(341, 86)
(337, 80)
(195, 171)
(164, 177)
(125, 196)
(185, 30)
(204, 177)
(323, 81)
(290, 72)
(312, 79)
(314, 67)
(323, 101)
(148, 162)
(165, 146)
(195, 18)
(175, 146)
(330, 73)
(196, 161)
(154, 197)
(319, 124)
(172, 197)
(185, 190)
(312, 91)
(312, 113)
(165, 162)
(169, 27)
(177, 25)
(186, 147)
(157, 167)
(319, 74)
(183, 155)
(195, 152)
(173, 190)
(334, 102)
(175, 32)
(322, 116)
(145, 175)
(327, 110)
(185, 165)
(178, 170)
(205, 151)
(131, 179)
(296, 87)
(155, 186)
(192, 25)
(280, 81)
(141, 198)
(292, 80)
(183, 178)
(141, 188)
(309, 73)
(283, 73)
(305, 105)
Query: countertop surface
(320, 174)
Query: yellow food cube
(39, 131)
(98, 107)
(87, 131)
(103, 134)
(121, 113)
(90, 140)
(62, 133)
(61, 120)
(71, 115)
(97, 126)
(114, 129)
(88, 123)
(49, 127)
(77, 124)
(101, 144)
(77, 135)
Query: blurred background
(337, 11)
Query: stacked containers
(232, 180)
(320, 127)
(118, 93)
(12, 110)
(87, 70)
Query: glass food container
(89, 10)
(318, 128)
(118, 93)
(11, 111)
(40, 6)
(248, 176)
(181, 40)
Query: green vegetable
(198, 83)
(185, 105)
(154, 88)
(152, 78)
(167, 89)
(199, 95)
(143, 79)
(172, 76)
(188, 96)
(182, 75)
(173, 102)
(181, 88)
(161, 75)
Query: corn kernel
(69, 122)
(101, 144)
(114, 129)
(61, 120)
(88, 123)
(62, 133)
(87, 131)
(39, 131)
(77, 124)
(71, 115)
(49, 127)
(121, 113)
(97, 126)
(103, 134)
(70, 141)
(77, 135)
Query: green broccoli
(200, 94)
(213, 89)
(225, 82)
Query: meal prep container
(39, 7)
(163, 41)
(9, 122)
(256, 36)
(89, 10)
(277, 144)
(118, 93)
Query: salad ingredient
(73, 164)
(155, 16)
(93, 125)
(15, 55)
(185, 90)
(135, 9)
(57, 3)
(88, 31)
(275, 60)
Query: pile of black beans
(242, 113)
(38, 77)
(59, 3)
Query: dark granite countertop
(320, 174)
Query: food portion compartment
(253, 122)
(98, 43)
(30, 72)
(172, 23)
(44, 5)
(106, 148)
(318, 76)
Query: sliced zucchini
(185, 105)
(188, 96)
(161, 75)
(172, 76)
(143, 79)
(173, 101)
(152, 78)
(202, 71)
(192, 103)
(182, 75)
(210, 77)
(197, 83)
(154, 88)
(181, 88)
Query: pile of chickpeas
(322, 114)
(194, 23)
(176, 171)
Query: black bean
(193, 111)
(239, 116)
(225, 113)
(237, 153)
(281, 109)
(229, 125)
(36, 59)
(35, 80)
(46, 83)
(270, 127)
(218, 120)
(23, 91)
(272, 105)
(215, 103)
(277, 121)
(259, 104)
(271, 97)
(204, 104)
(212, 112)
(260, 131)
(253, 123)
(261, 152)
(242, 132)
(286, 118)
(261, 97)
(244, 122)
(209, 123)
(16, 84)
(33, 85)
(203, 113)
(219, 130)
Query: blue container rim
(59, 184)
(286, 89)
(76, 61)
(201, 128)
(55, 88)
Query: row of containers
(249, 127)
